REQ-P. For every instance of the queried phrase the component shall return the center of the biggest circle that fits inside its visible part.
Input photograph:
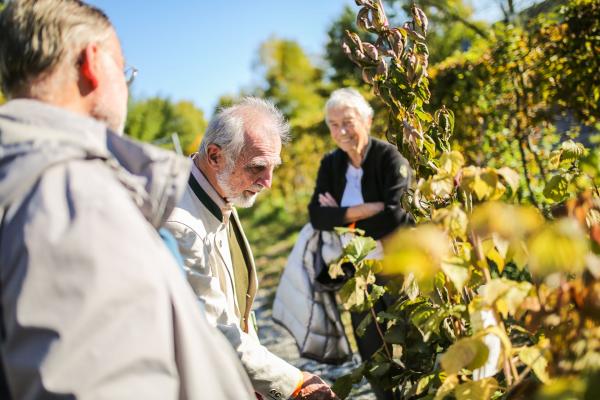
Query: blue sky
(200, 50)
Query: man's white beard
(242, 200)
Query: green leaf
(557, 188)
(343, 386)
(424, 383)
(353, 293)
(395, 335)
(571, 150)
(362, 327)
(467, 353)
(359, 248)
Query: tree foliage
(154, 120)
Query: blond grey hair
(226, 129)
(37, 37)
(349, 97)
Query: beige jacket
(200, 223)
(93, 305)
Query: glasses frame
(130, 73)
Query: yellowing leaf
(511, 177)
(438, 186)
(451, 162)
(560, 247)
(505, 294)
(476, 390)
(506, 221)
(483, 182)
(453, 219)
(457, 271)
(467, 353)
(418, 250)
(534, 357)
(447, 387)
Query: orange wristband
(299, 387)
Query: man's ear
(90, 64)
(214, 156)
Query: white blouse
(353, 197)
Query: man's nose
(266, 178)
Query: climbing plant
(494, 299)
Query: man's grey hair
(226, 129)
(349, 97)
(39, 36)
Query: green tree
(293, 83)
(451, 29)
(155, 119)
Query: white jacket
(200, 227)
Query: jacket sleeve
(271, 376)
(325, 218)
(87, 309)
(396, 180)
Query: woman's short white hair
(226, 129)
(348, 97)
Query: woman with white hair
(362, 181)
(360, 184)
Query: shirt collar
(220, 204)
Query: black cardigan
(386, 176)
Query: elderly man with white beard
(235, 162)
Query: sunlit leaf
(560, 247)
(451, 162)
(534, 357)
(511, 177)
(453, 219)
(469, 353)
(457, 271)
(500, 219)
(557, 188)
(447, 387)
(419, 250)
(505, 295)
(476, 390)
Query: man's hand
(313, 388)
(327, 200)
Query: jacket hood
(35, 136)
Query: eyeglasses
(130, 74)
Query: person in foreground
(235, 162)
(93, 304)
(360, 184)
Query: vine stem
(380, 332)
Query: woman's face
(348, 128)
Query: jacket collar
(208, 195)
